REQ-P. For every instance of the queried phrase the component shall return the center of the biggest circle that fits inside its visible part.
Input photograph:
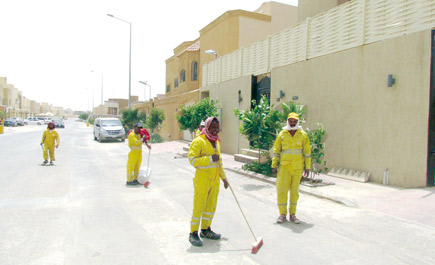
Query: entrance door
(260, 87)
(431, 138)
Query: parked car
(44, 120)
(20, 121)
(33, 121)
(108, 129)
(59, 124)
(10, 122)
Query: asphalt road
(79, 211)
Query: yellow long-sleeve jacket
(295, 150)
(197, 132)
(49, 137)
(200, 152)
(135, 141)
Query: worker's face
(136, 130)
(292, 122)
(214, 128)
(51, 126)
(201, 127)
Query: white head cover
(290, 128)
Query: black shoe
(131, 183)
(51, 163)
(45, 162)
(194, 239)
(207, 233)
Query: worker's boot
(194, 239)
(207, 233)
(294, 220)
(280, 219)
(45, 161)
(132, 183)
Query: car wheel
(99, 139)
(123, 139)
(95, 137)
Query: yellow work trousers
(206, 190)
(133, 164)
(288, 179)
(48, 149)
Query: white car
(32, 121)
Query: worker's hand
(148, 145)
(306, 173)
(57, 146)
(215, 157)
(226, 184)
(274, 171)
(41, 143)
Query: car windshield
(111, 123)
(57, 121)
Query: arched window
(182, 76)
(194, 71)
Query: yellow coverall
(206, 182)
(49, 138)
(295, 152)
(197, 132)
(134, 157)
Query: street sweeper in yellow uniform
(135, 141)
(204, 155)
(50, 140)
(293, 151)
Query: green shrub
(91, 120)
(156, 138)
(264, 169)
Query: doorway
(431, 137)
(260, 87)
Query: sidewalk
(415, 205)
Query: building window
(194, 71)
(182, 76)
(176, 82)
(168, 88)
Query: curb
(302, 188)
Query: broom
(258, 241)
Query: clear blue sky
(49, 47)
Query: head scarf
(295, 116)
(50, 123)
(206, 130)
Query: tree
(155, 119)
(287, 108)
(191, 117)
(83, 116)
(317, 153)
(130, 117)
(260, 124)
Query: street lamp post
(129, 62)
(146, 84)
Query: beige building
(227, 33)
(311, 8)
(361, 76)
(113, 106)
(34, 108)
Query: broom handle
(149, 154)
(246, 220)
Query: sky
(64, 51)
